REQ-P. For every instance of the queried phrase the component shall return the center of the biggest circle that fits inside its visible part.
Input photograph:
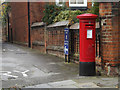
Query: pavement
(23, 67)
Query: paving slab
(68, 86)
(40, 86)
(87, 85)
(62, 83)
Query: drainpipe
(8, 27)
(29, 39)
(45, 37)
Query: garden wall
(37, 38)
(50, 39)
(55, 41)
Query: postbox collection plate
(89, 34)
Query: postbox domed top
(87, 16)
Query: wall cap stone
(37, 24)
(58, 24)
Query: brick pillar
(110, 37)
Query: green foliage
(50, 12)
(69, 15)
(95, 9)
(55, 13)
(6, 9)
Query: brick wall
(19, 16)
(55, 41)
(37, 39)
(109, 36)
(19, 19)
(36, 11)
(119, 34)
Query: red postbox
(87, 44)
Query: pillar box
(87, 44)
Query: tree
(50, 12)
(4, 13)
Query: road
(22, 66)
(25, 67)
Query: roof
(37, 24)
(76, 26)
(57, 24)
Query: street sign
(66, 41)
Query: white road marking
(24, 73)
(8, 73)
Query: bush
(51, 11)
(4, 15)
(95, 9)
(70, 15)
(55, 13)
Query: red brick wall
(119, 32)
(54, 40)
(19, 19)
(19, 22)
(36, 11)
(109, 35)
(89, 5)
(37, 39)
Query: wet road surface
(22, 66)
(25, 67)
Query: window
(59, 2)
(77, 3)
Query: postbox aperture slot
(89, 25)
(89, 34)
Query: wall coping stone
(37, 24)
(58, 24)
